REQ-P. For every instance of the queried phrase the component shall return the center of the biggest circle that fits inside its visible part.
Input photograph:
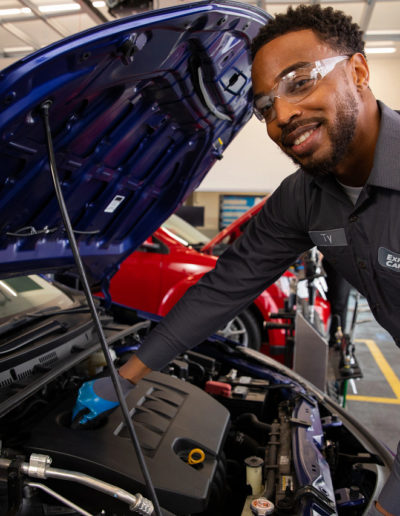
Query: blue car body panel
(140, 110)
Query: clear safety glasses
(294, 86)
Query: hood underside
(140, 110)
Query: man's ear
(360, 71)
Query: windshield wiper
(31, 336)
(41, 314)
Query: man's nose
(285, 111)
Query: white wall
(252, 163)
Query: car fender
(262, 307)
(172, 296)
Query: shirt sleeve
(271, 243)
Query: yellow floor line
(384, 366)
(373, 399)
(387, 372)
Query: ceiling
(27, 25)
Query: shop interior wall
(253, 164)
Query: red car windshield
(184, 232)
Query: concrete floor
(375, 401)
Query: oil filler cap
(262, 506)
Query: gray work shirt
(362, 241)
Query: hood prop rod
(45, 108)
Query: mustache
(288, 128)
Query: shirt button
(362, 264)
(353, 218)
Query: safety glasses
(295, 86)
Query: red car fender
(173, 295)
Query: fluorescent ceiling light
(59, 7)
(17, 50)
(13, 12)
(99, 3)
(380, 50)
(383, 32)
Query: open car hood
(140, 110)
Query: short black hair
(331, 26)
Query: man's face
(317, 131)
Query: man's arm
(273, 241)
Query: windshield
(184, 232)
(29, 294)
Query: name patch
(330, 237)
(389, 259)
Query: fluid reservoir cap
(262, 506)
(253, 461)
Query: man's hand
(96, 399)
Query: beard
(341, 134)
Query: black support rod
(45, 107)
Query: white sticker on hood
(114, 204)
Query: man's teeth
(303, 137)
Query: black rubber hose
(252, 426)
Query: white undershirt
(353, 192)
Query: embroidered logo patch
(389, 259)
(330, 237)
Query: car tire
(244, 330)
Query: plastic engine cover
(171, 418)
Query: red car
(157, 274)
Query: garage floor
(375, 399)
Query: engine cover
(171, 417)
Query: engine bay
(219, 431)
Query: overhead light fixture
(54, 8)
(13, 51)
(14, 12)
(383, 32)
(380, 50)
(99, 3)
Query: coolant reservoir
(254, 474)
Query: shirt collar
(386, 170)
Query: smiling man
(311, 89)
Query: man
(310, 81)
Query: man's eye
(299, 85)
(265, 109)
(264, 104)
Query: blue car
(103, 135)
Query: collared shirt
(361, 241)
